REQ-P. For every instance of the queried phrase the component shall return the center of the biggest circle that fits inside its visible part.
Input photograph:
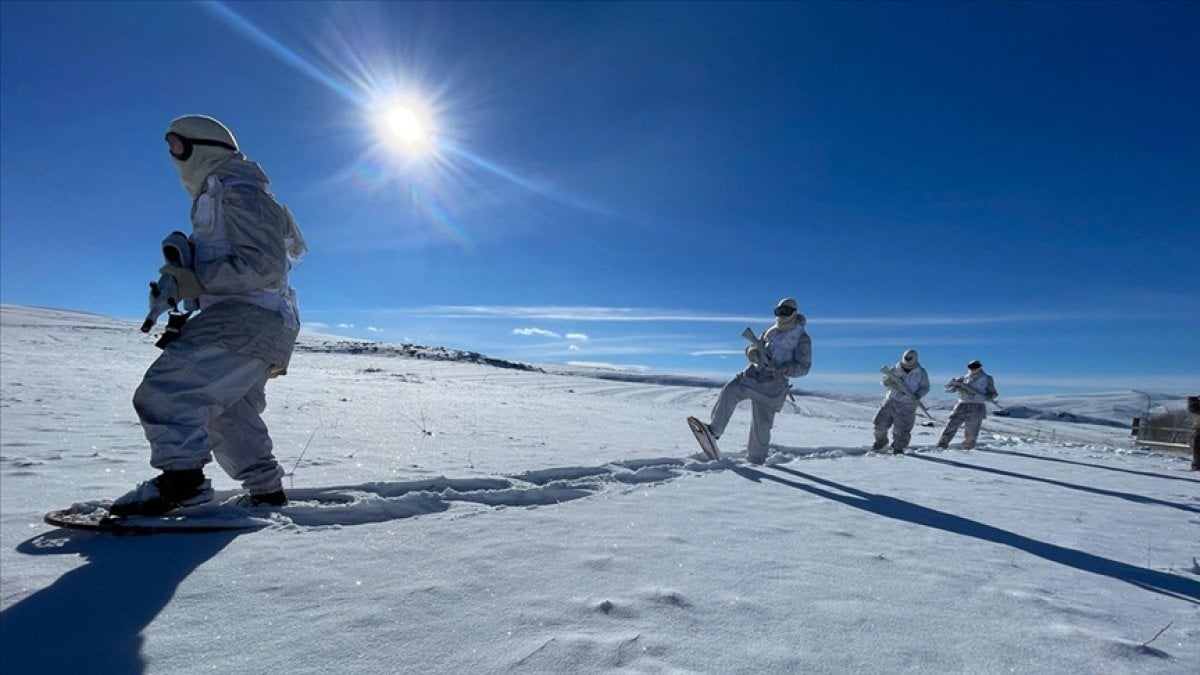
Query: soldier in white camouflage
(907, 382)
(203, 397)
(974, 391)
(765, 380)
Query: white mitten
(753, 355)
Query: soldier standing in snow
(765, 380)
(202, 398)
(906, 382)
(974, 390)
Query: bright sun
(404, 124)
(408, 130)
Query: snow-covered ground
(547, 522)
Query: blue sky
(633, 183)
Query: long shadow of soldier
(899, 509)
(1127, 496)
(91, 619)
(1045, 458)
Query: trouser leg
(882, 422)
(242, 447)
(183, 392)
(731, 394)
(957, 417)
(761, 421)
(902, 425)
(972, 425)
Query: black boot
(276, 498)
(169, 491)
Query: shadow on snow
(1044, 458)
(90, 620)
(1127, 496)
(899, 509)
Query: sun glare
(406, 129)
(404, 125)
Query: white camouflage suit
(767, 387)
(899, 409)
(202, 398)
(971, 409)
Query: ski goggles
(190, 143)
(785, 310)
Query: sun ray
(277, 48)
(408, 149)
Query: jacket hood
(202, 160)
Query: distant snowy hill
(504, 517)
(311, 343)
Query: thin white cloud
(644, 314)
(568, 313)
(559, 350)
(580, 337)
(976, 319)
(900, 342)
(716, 352)
(542, 332)
(373, 329)
(609, 366)
(345, 325)
(1157, 383)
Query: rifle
(959, 385)
(164, 293)
(767, 361)
(753, 338)
(164, 297)
(904, 389)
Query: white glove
(753, 355)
